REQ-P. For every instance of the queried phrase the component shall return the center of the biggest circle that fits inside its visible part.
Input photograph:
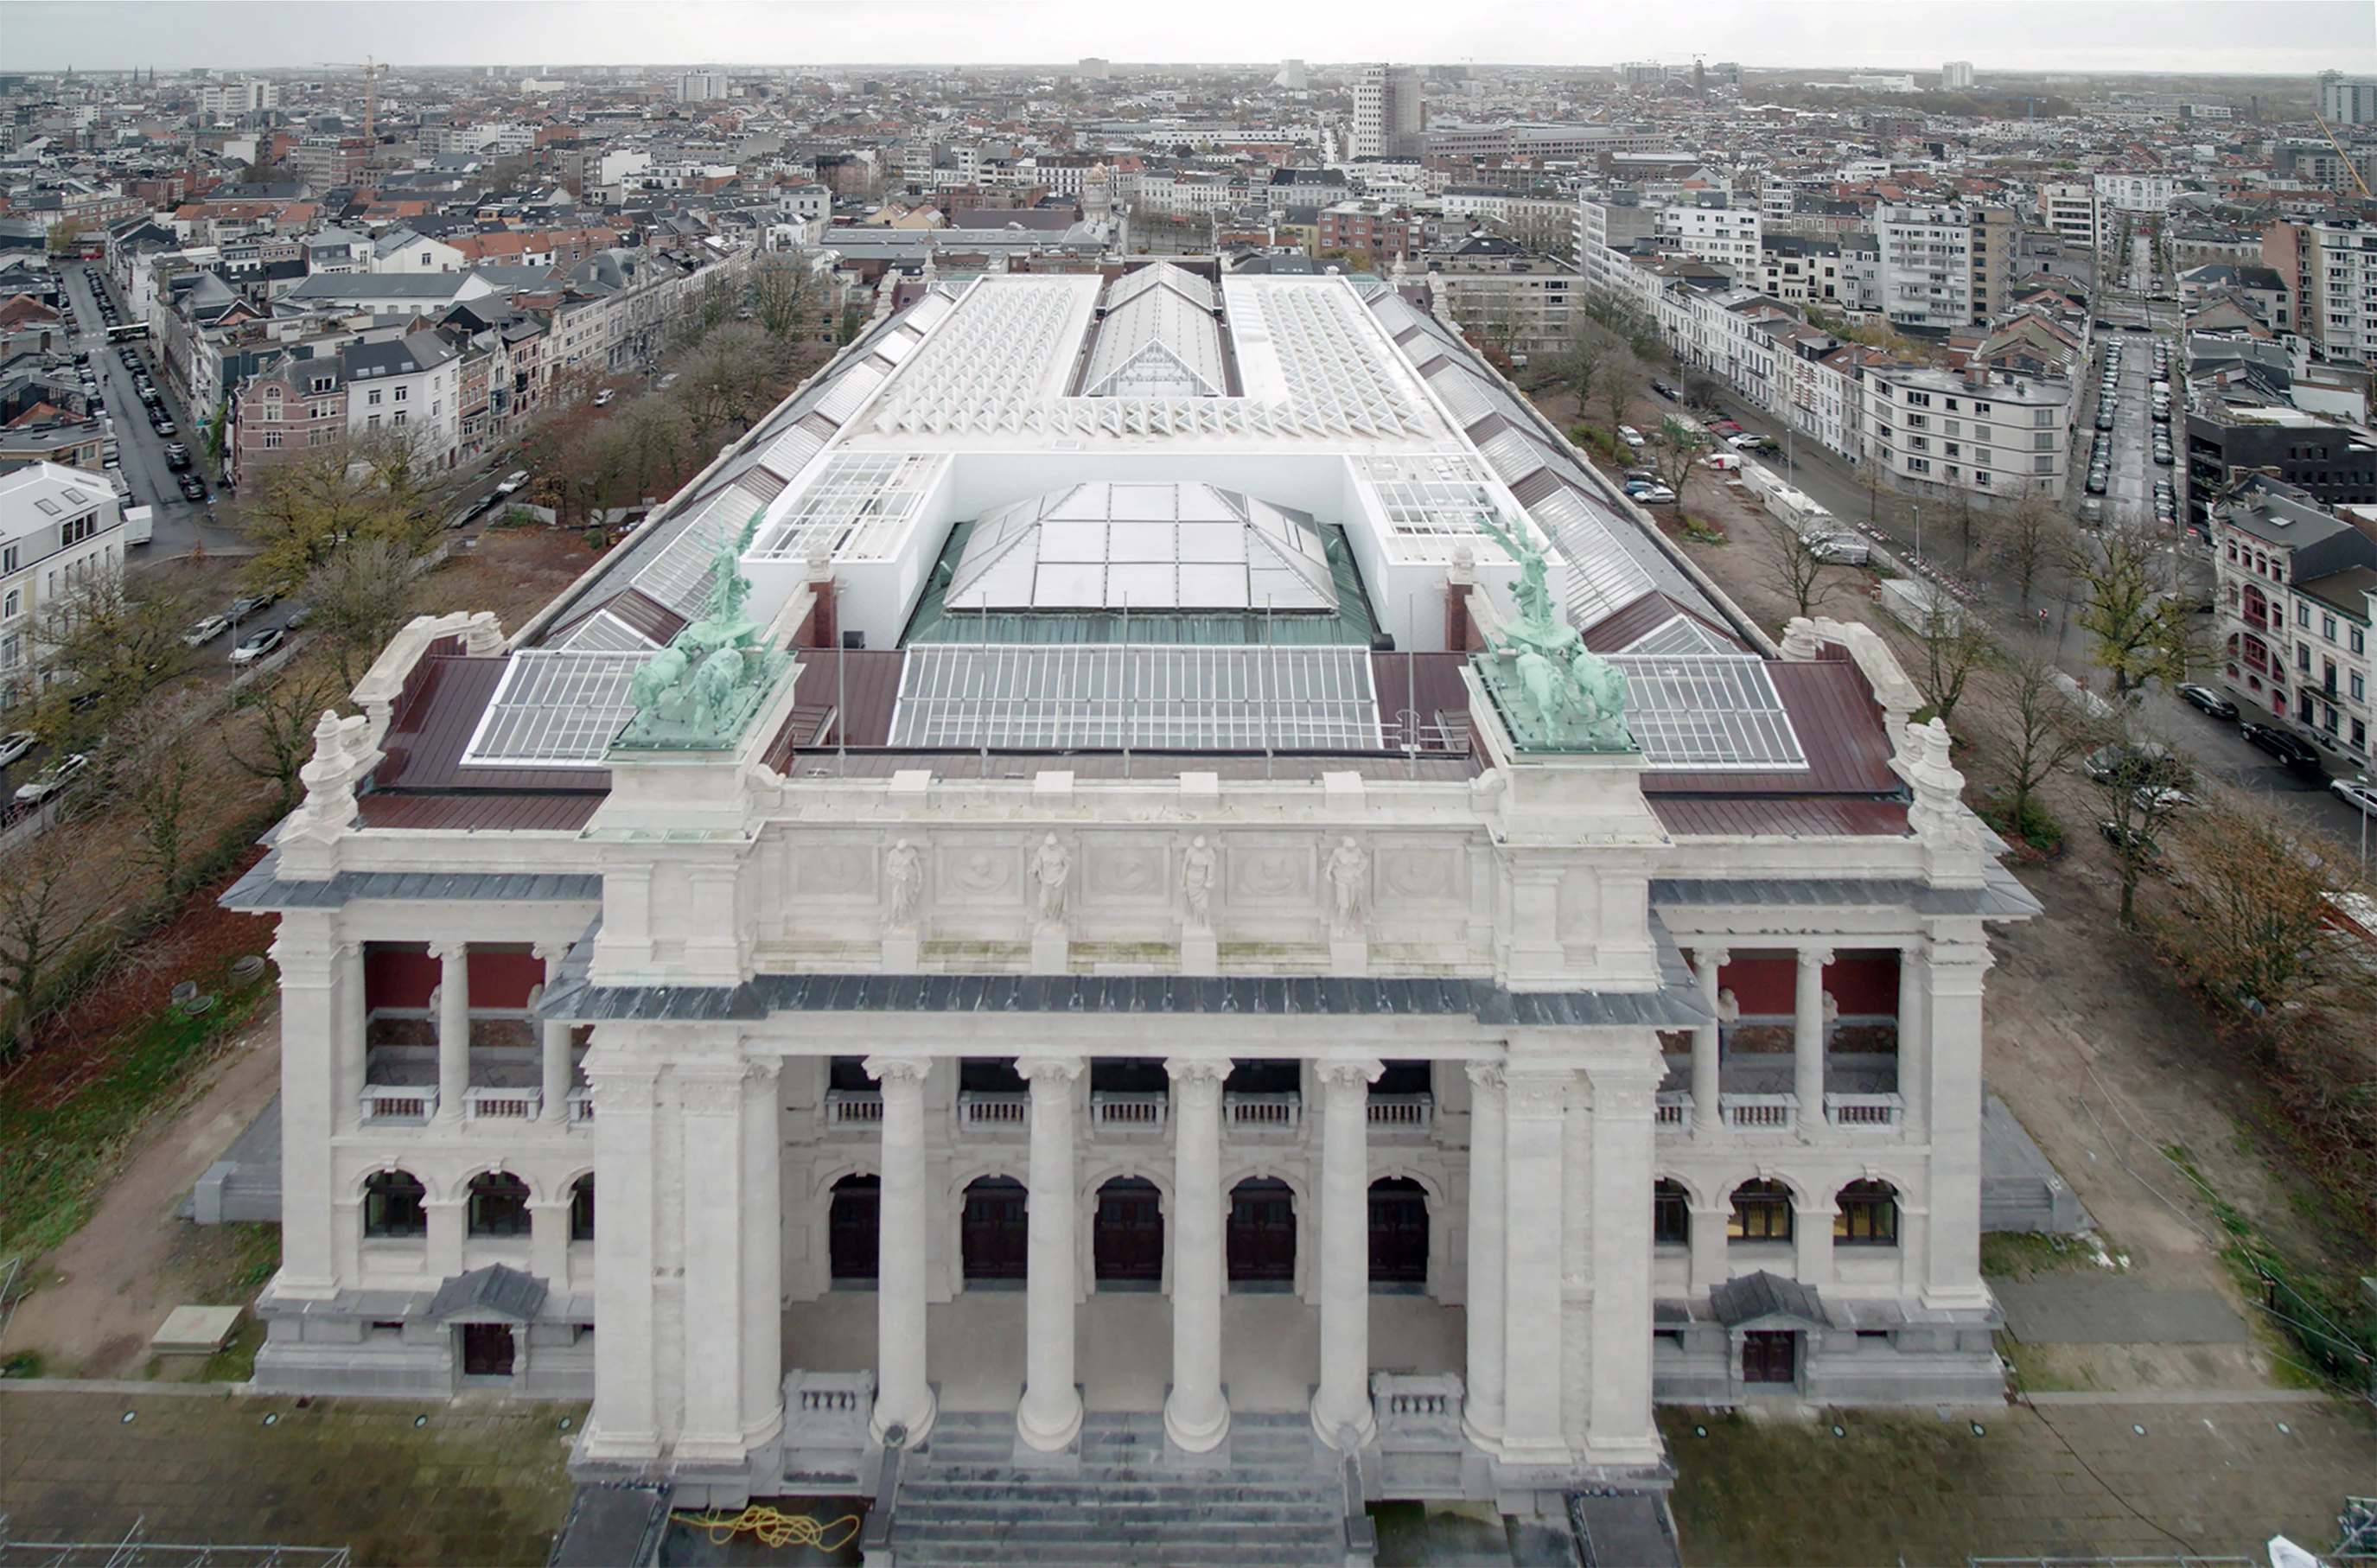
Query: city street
(179, 525)
(2213, 746)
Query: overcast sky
(2277, 37)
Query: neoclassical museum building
(1148, 842)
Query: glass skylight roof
(1158, 338)
(555, 708)
(1018, 697)
(1155, 547)
(1715, 713)
(856, 507)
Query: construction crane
(371, 94)
(2345, 157)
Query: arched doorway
(853, 1227)
(995, 1235)
(1263, 1235)
(1398, 1235)
(1127, 1239)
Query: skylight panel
(555, 708)
(1708, 713)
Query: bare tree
(1616, 381)
(48, 905)
(2031, 538)
(2139, 786)
(305, 506)
(2251, 920)
(2037, 728)
(2137, 630)
(155, 771)
(1574, 366)
(1952, 646)
(730, 379)
(279, 738)
(1678, 457)
(106, 649)
(360, 599)
(1799, 564)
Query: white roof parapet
(376, 693)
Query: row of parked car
(256, 643)
(2298, 754)
(16, 745)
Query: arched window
(1762, 1212)
(1866, 1215)
(498, 1205)
(392, 1208)
(581, 1209)
(853, 1227)
(1672, 1214)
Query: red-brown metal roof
(433, 723)
(1840, 730)
(508, 813)
(1792, 816)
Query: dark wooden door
(1398, 1232)
(1262, 1233)
(1768, 1355)
(487, 1350)
(996, 1231)
(1128, 1238)
(854, 1227)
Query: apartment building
(1373, 228)
(1988, 433)
(1388, 119)
(2296, 586)
(2332, 464)
(59, 528)
(2136, 192)
(1927, 265)
(409, 387)
(1729, 236)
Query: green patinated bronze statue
(698, 692)
(1555, 694)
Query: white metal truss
(1164, 697)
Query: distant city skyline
(2198, 37)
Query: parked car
(2290, 750)
(2131, 838)
(298, 616)
(247, 605)
(1663, 389)
(2097, 481)
(603, 399)
(165, 426)
(257, 644)
(51, 780)
(191, 489)
(2137, 765)
(205, 631)
(518, 476)
(1841, 549)
(177, 456)
(15, 743)
(2353, 793)
(1653, 495)
(2152, 799)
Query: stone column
(1532, 1249)
(1811, 1236)
(548, 1240)
(1196, 1417)
(710, 1093)
(1621, 1431)
(1343, 1398)
(1710, 1268)
(903, 1397)
(453, 1027)
(1708, 1047)
(1050, 1415)
(555, 1037)
(626, 1420)
(763, 1252)
(349, 1028)
(1914, 1054)
(1953, 1042)
(447, 1218)
(305, 951)
(1481, 1417)
(1807, 1042)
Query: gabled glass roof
(1158, 338)
(1154, 547)
(555, 708)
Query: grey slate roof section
(1677, 1006)
(1763, 1295)
(2004, 897)
(491, 1289)
(263, 889)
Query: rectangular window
(400, 393)
(2302, 657)
(271, 439)
(2327, 627)
(372, 397)
(371, 422)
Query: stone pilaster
(710, 1093)
(1953, 1278)
(1533, 1249)
(1621, 1431)
(624, 1423)
(305, 952)
(1708, 1050)
(1481, 1417)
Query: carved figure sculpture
(1196, 869)
(1052, 868)
(1348, 886)
(904, 867)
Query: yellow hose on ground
(773, 1527)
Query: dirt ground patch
(513, 571)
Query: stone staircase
(966, 1499)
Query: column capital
(1196, 1073)
(1484, 1077)
(888, 1069)
(620, 1090)
(1623, 1091)
(447, 950)
(1347, 1075)
(1714, 958)
(1538, 1091)
(1058, 1071)
(711, 1088)
(1815, 957)
(552, 953)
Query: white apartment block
(229, 100)
(2071, 212)
(2340, 278)
(1956, 75)
(1937, 431)
(1389, 120)
(2347, 101)
(1926, 264)
(409, 387)
(59, 528)
(2137, 192)
(1725, 236)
